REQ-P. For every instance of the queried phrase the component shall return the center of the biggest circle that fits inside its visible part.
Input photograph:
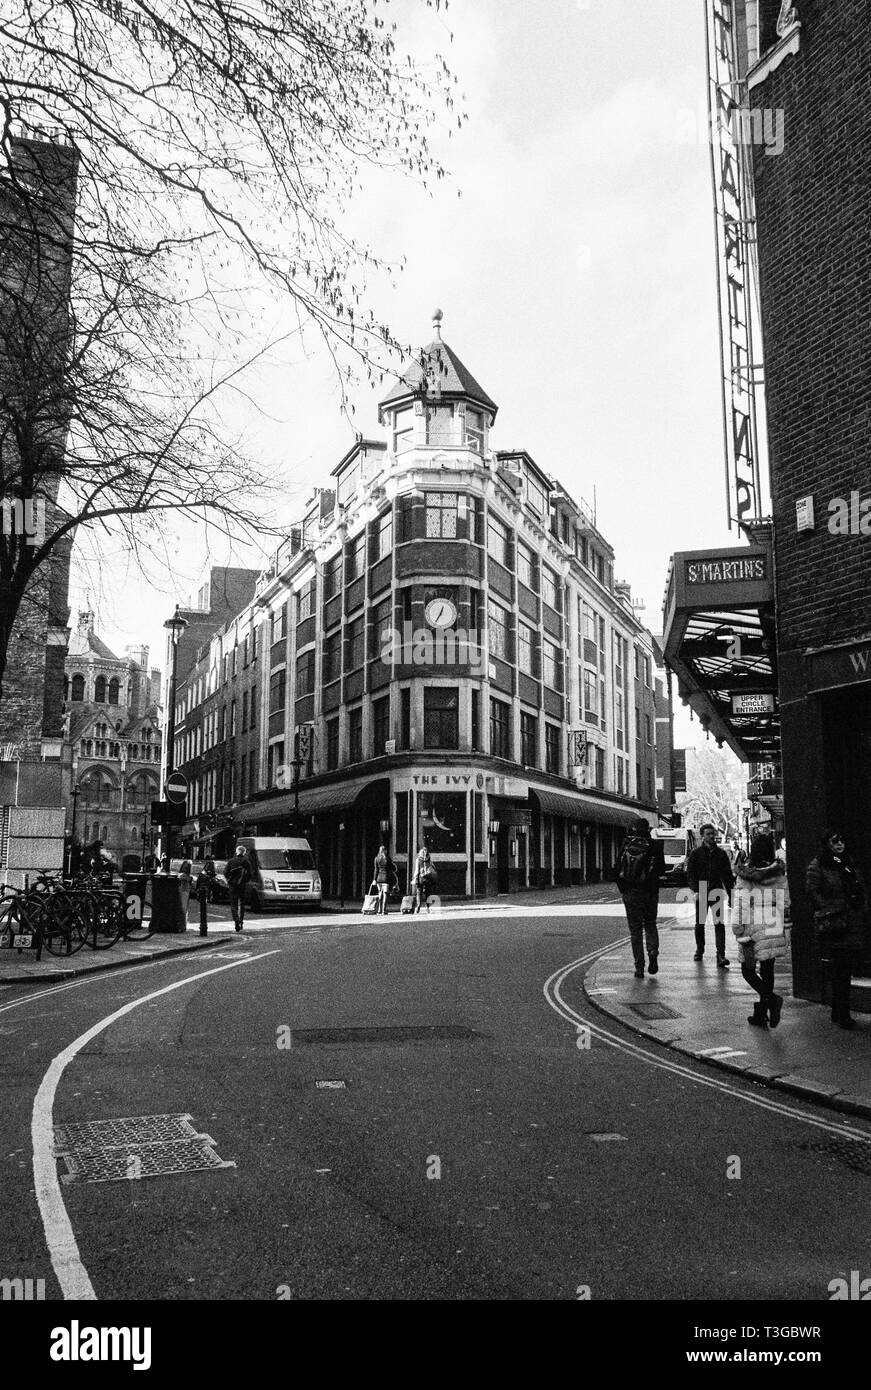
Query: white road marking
(60, 1239)
(552, 994)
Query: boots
(757, 1018)
(775, 1005)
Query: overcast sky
(577, 278)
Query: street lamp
(175, 626)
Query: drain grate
(653, 1010)
(447, 1032)
(137, 1146)
(855, 1153)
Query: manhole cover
(138, 1146)
(448, 1032)
(653, 1010)
(855, 1153)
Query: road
(468, 1147)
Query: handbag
(831, 927)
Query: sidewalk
(701, 1011)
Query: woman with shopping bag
(385, 878)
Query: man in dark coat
(710, 876)
(640, 868)
(238, 876)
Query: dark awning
(335, 797)
(581, 808)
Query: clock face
(440, 612)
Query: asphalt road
(470, 1153)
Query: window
(620, 774)
(552, 748)
(527, 640)
(305, 604)
(277, 690)
(279, 624)
(549, 590)
(77, 689)
(355, 653)
(380, 725)
(356, 558)
(648, 729)
(442, 515)
(243, 776)
(441, 718)
(305, 674)
(500, 729)
(599, 767)
(275, 767)
(551, 667)
(347, 483)
(587, 620)
(333, 576)
(476, 721)
(475, 426)
(245, 657)
(528, 739)
(443, 822)
(232, 718)
(355, 734)
(536, 495)
(223, 723)
(498, 631)
(253, 644)
(244, 714)
(619, 716)
(405, 717)
(113, 691)
(252, 710)
(100, 690)
(591, 702)
(499, 545)
(403, 429)
(382, 627)
(383, 543)
(332, 658)
(527, 567)
(332, 744)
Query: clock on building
(440, 612)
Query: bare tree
(715, 789)
(201, 161)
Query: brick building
(441, 653)
(112, 765)
(813, 227)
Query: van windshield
(674, 846)
(285, 859)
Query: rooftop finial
(437, 317)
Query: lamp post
(175, 626)
(74, 768)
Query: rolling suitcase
(407, 904)
(370, 902)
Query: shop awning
(718, 638)
(332, 798)
(581, 808)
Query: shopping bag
(407, 904)
(370, 902)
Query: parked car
(284, 873)
(677, 846)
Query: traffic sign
(176, 787)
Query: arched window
(66, 687)
(116, 750)
(87, 831)
(78, 688)
(105, 835)
(113, 691)
(141, 790)
(97, 789)
(100, 690)
(134, 751)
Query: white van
(677, 846)
(283, 872)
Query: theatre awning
(581, 808)
(719, 640)
(336, 797)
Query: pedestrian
(423, 879)
(640, 869)
(758, 923)
(384, 877)
(238, 875)
(205, 888)
(164, 864)
(709, 875)
(837, 891)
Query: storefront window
(442, 822)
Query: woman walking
(424, 878)
(837, 891)
(205, 888)
(757, 921)
(384, 877)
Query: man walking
(238, 876)
(709, 875)
(640, 867)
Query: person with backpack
(640, 869)
(709, 871)
(238, 876)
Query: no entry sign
(176, 787)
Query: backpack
(636, 868)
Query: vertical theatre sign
(731, 125)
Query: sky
(572, 253)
